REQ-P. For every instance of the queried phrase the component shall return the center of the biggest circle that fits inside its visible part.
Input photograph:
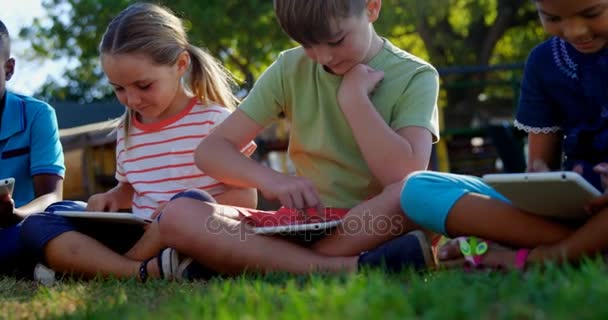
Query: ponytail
(208, 80)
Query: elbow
(199, 154)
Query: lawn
(554, 293)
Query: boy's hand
(359, 82)
(7, 214)
(292, 192)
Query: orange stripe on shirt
(189, 124)
(158, 155)
(180, 190)
(179, 165)
(201, 136)
(168, 179)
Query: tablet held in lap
(287, 220)
(559, 194)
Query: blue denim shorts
(38, 229)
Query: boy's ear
(373, 9)
(9, 68)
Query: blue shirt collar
(13, 118)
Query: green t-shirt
(321, 144)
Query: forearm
(38, 205)
(546, 149)
(389, 156)
(222, 160)
(240, 197)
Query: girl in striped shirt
(175, 94)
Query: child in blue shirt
(31, 153)
(563, 107)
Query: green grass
(554, 293)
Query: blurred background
(478, 46)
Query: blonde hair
(313, 21)
(152, 30)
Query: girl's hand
(602, 170)
(597, 204)
(359, 82)
(538, 166)
(107, 201)
(292, 192)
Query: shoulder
(209, 109)
(396, 60)
(554, 55)
(32, 108)
(31, 104)
(209, 112)
(293, 60)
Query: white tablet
(6, 186)
(562, 194)
(297, 227)
(116, 217)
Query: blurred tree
(243, 34)
(246, 37)
(464, 33)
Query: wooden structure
(90, 161)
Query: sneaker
(167, 263)
(189, 269)
(44, 275)
(409, 250)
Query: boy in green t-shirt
(362, 116)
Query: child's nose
(323, 55)
(575, 30)
(133, 99)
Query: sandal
(167, 261)
(473, 250)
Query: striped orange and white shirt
(158, 160)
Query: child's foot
(496, 257)
(163, 266)
(44, 275)
(188, 269)
(409, 250)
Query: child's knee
(38, 229)
(66, 205)
(420, 202)
(178, 215)
(196, 194)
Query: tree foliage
(244, 35)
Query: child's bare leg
(148, 245)
(75, 253)
(589, 239)
(368, 225)
(498, 221)
(212, 234)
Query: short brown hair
(5, 41)
(313, 21)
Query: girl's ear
(373, 10)
(183, 62)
